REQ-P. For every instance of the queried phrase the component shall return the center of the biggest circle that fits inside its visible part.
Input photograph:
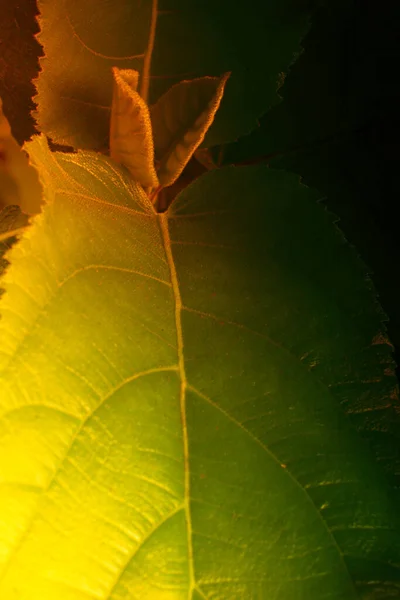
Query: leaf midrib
(163, 219)
(179, 307)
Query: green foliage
(339, 83)
(199, 403)
(348, 172)
(189, 385)
(178, 39)
(156, 144)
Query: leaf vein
(110, 268)
(18, 545)
(285, 472)
(179, 333)
(136, 550)
(94, 52)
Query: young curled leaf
(130, 76)
(180, 119)
(131, 140)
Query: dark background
(337, 125)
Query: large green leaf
(166, 42)
(183, 396)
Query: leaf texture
(178, 394)
(131, 138)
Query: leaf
(19, 182)
(19, 64)
(190, 400)
(12, 224)
(205, 157)
(131, 138)
(165, 43)
(352, 173)
(180, 120)
(331, 89)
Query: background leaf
(192, 39)
(348, 170)
(201, 399)
(12, 220)
(337, 128)
(19, 182)
(19, 52)
(341, 82)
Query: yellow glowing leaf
(180, 120)
(180, 395)
(131, 140)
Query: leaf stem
(145, 80)
(153, 194)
